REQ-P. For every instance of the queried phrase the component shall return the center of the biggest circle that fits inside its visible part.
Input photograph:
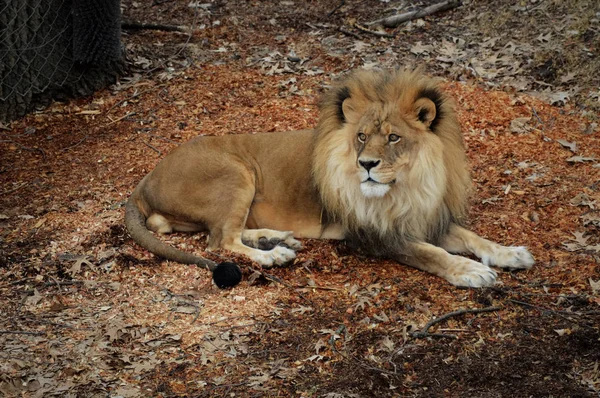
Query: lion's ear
(350, 110)
(425, 110)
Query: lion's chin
(373, 189)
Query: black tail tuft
(227, 274)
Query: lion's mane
(420, 206)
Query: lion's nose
(368, 164)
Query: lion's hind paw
(268, 239)
(277, 256)
(265, 243)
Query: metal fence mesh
(50, 46)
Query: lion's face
(387, 142)
(389, 156)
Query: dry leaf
(595, 286)
(562, 332)
(302, 309)
(184, 309)
(571, 145)
(34, 299)
(520, 125)
(419, 48)
(76, 267)
(580, 159)
(320, 344)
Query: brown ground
(85, 312)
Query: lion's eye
(394, 138)
(362, 137)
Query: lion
(385, 168)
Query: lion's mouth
(371, 180)
(374, 189)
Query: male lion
(385, 168)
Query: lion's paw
(292, 243)
(267, 239)
(277, 256)
(514, 257)
(469, 273)
(265, 243)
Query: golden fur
(385, 168)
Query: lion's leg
(459, 271)
(267, 239)
(461, 240)
(226, 229)
(162, 225)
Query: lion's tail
(226, 274)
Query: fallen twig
(566, 315)
(395, 20)
(159, 137)
(131, 25)
(275, 279)
(40, 150)
(121, 118)
(340, 5)
(153, 148)
(76, 144)
(371, 31)
(14, 189)
(132, 96)
(424, 332)
(349, 33)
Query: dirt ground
(86, 312)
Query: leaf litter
(88, 313)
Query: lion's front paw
(469, 273)
(278, 256)
(515, 257)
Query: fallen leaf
(583, 199)
(76, 267)
(387, 344)
(580, 159)
(314, 357)
(591, 219)
(359, 46)
(595, 285)
(571, 145)
(258, 380)
(184, 309)
(419, 48)
(559, 97)
(302, 309)
(520, 125)
(35, 298)
(320, 344)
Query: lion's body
(268, 174)
(385, 167)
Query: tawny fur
(385, 168)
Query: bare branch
(424, 332)
(395, 20)
(133, 25)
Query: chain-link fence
(55, 47)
